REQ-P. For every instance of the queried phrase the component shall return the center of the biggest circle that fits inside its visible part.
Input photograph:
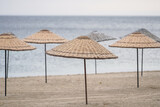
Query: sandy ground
(104, 90)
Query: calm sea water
(31, 63)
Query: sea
(31, 63)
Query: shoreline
(83, 74)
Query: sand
(104, 90)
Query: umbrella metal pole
(137, 70)
(142, 64)
(45, 63)
(7, 63)
(95, 66)
(5, 72)
(85, 77)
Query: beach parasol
(149, 34)
(9, 42)
(136, 40)
(45, 37)
(83, 48)
(99, 37)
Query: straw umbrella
(10, 42)
(45, 37)
(99, 37)
(136, 40)
(149, 34)
(83, 48)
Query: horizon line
(89, 15)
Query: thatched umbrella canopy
(149, 34)
(9, 42)
(99, 37)
(45, 37)
(83, 48)
(136, 40)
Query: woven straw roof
(136, 40)
(9, 41)
(149, 34)
(82, 47)
(99, 36)
(44, 36)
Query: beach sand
(104, 90)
